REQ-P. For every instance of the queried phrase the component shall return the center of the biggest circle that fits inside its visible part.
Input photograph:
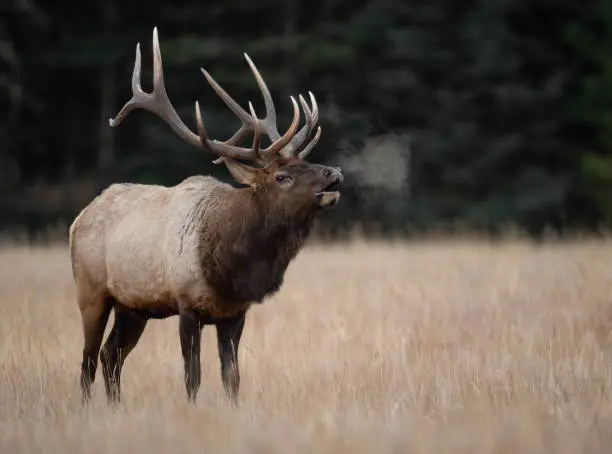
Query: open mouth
(327, 198)
(334, 185)
(330, 195)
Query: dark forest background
(443, 114)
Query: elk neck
(246, 250)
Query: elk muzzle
(330, 195)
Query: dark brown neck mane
(247, 244)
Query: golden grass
(434, 347)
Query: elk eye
(283, 178)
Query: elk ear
(243, 174)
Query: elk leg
(95, 316)
(124, 336)
(190, 331)
(229, 332)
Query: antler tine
(300, 138)
(294, 145)
(248, 122)
(136, 91)
(279, 144)
(224, 149)
(308, 115)
(257, 132)
(206, 143)
(308, 148)
(158, 69)
(315, 108)
(269, 122)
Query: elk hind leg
(94, 314)
(124, 336)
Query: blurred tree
(478, 113)
(593, 39)
(19, 20)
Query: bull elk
(203, 250)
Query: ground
(429, 347)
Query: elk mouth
(334, 185)
(330, 195)
(327, 199)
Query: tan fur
(138, 243)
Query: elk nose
(332, 172)
(333, 175)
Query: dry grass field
(430, 347)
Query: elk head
(279, 172)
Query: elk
(203, 249)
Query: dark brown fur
(250, 255)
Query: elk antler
(270, 121)
(286, 146)
(266, 125)
(301, 137)
(158, 103)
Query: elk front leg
(190, 330)
(229, 332)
